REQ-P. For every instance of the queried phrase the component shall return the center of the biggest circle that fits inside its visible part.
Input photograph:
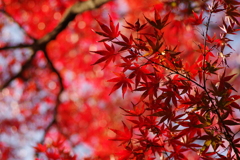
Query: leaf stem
(205, 50)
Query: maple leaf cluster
(184, 105)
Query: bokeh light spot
(81, 25)
(57, 16)
(41, 26)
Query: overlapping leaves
(172, 93)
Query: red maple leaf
(108, 55)
(122, 81)
(196, 20)
(125, 136)
(109, 33)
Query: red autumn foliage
(101, 79)
(188, 108)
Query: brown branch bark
(19, 46)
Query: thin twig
(57, 103)
(19, 46)
(204, 50)
(24, 67)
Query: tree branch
(61, 89)
(68, 16)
